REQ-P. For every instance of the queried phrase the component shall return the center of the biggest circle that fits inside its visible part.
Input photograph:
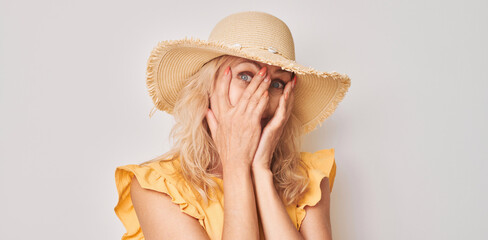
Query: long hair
(194, 145)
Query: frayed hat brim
(171, 62)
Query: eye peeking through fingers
(245, 76)
(277, 84)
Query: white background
(410, 137)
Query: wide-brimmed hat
(253, 35)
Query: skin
(239, 108)
(243, 74)
(252, 112)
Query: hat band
(270, 49)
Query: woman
(241, 104)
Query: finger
(223, 91)
(212, 121)
(256, 97)
(288, 88)
(280, 114)
(261, 106)
(275, 121)
(291, 99)
(294, 82)
(250, 89)
(288, 97)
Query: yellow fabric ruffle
(154, 178)
(320, 164)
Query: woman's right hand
(236, 130)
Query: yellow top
(155, 176)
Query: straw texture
(254, 35)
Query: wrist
(261, 162)
(239, 166)
(261, 175)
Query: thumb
(211, 120)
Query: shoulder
(321, 171)
(151, 201)
(313, 210)
(317, 224)
(160, 218)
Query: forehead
(259, 65)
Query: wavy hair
(194, 145)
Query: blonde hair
(196, 149)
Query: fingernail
(263, 70)
(286, 95)
(266, 79)
(227, 70)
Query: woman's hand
(236, 130)
(274, 128)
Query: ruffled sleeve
(153, 178)
(320, 164)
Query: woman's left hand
(274, 128)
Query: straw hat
(253, 35)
